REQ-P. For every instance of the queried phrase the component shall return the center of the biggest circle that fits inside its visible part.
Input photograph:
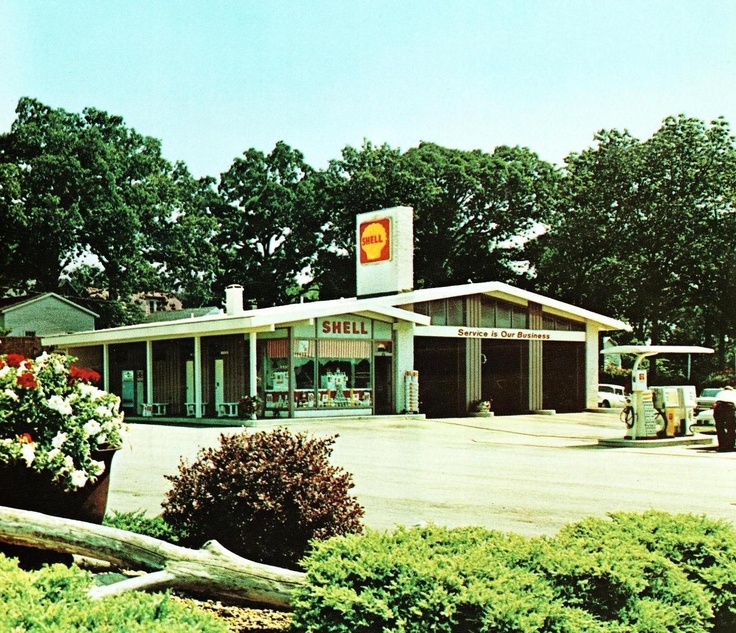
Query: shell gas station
(390, 349)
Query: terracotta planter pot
(26, 489)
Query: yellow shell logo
(374, 241)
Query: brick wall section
(29, 346)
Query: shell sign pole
(375, 241)
(384, 248)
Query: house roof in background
(8, 304)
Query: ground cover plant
(265, 496)
(637, 573)
(54, 598)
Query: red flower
(25, 438)
(27, 380)
(15, 360)
(83, 375)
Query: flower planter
(25, 489)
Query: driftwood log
(211, 570)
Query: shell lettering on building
(375, 241)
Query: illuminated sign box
(384, 251)
(375, 241)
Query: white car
(611, 396)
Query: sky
(212, 78)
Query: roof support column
(536, 360)
(592, 363)
(106, 367)
(252, 364)
(404, 361)
(149, 371)
(198, 408)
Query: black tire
(605, 404)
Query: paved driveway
(525, 474)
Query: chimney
(234, 299)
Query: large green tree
(473, 211)
(646, 231)
(268, 225)
(90, 205)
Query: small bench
(150, 409)
(192, 409)
(227, 409)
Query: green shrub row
(651, 572)
(54, 598)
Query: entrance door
(189, 396)
(219, 382)
(383, 385)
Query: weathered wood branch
(212, 570)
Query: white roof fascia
(46, 295)
(260, 320)
(500, 288)
(292, 313)
(197, 326)
(399, 313)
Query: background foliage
(641, 230)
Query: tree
(267, 224)
(87, 199)
(472, 210)
(363, 180)
(645, 231)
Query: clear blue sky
(214, 78)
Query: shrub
(703, 549)
(55, 599)
(139, 523)
(631, 573)
(430, 579)
(264, 496)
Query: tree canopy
(89, 205)
(642, 230)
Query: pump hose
(627, 416)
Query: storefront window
(276, 374)
(304, 373)
(344, 373)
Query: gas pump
(644, 423)
(675, 405)
(670, 408)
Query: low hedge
(54, 598)
(650, 572)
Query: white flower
(4, 371)
(11, 394)
(57, 403)
(90, 391)
(79, 478)
(96, 468)
(92, 427)
(58, 440)
(53, 453)
(28, 452)
(101, 439)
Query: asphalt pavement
(527, 474)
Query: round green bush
(264, 496)
(55, 598)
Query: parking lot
(527, 474)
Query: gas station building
(390, 349)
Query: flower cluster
(54, 420)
